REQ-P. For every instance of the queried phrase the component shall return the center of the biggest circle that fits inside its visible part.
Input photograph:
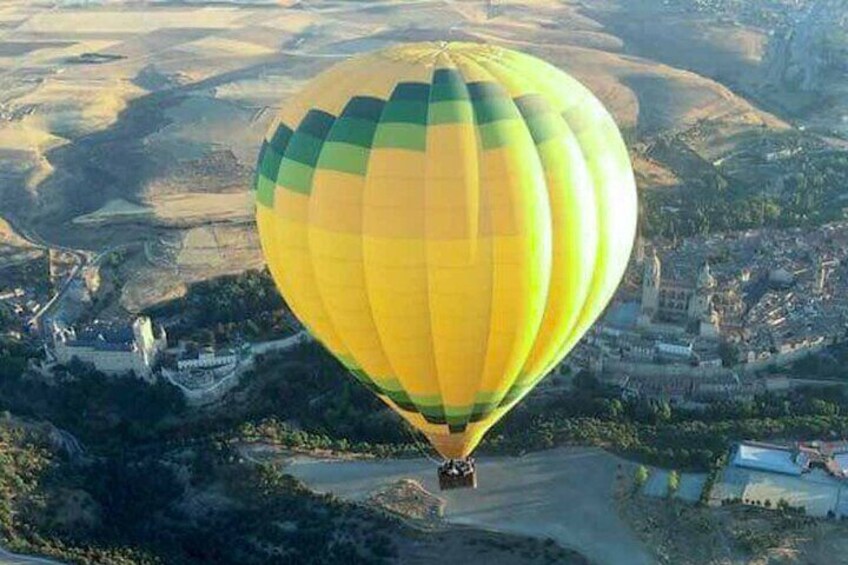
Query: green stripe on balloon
(342, 144)
(401, 136)
(344, 157)
(450, 112)
(295, 176)
(448, 85)
(356, 131)
(364, 107)
(304, 148)
(281, 137)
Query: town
(700, 321)
(722, 316)
(161, 403)
(717, 317)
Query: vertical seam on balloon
(570, 339)
(369, 308)
(575, 335)
(569, 335)
(499, 64)
(429, 293)
(484, 418)
(457, 61)
(318, 287)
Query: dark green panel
(365, 107)
(304, 148)
(414, 91)
(316, 123)
(258, 170)
(402, 400)
(405, 111)
(356, 131)
(433, 415)
(494, 109)
(445, 92)
(269, 163)
(448, 76)
(484, 90)
(448, 84)
(281, 138)
(481, 410)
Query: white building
(14, 293)
(672, 349)
(764, 457)
(113, 348)
(207, 359)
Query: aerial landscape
(171, 393)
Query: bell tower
(651, 281)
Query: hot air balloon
(447, 219)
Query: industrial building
(795, 459)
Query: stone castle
(112, 347)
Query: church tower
(651, 281)
(701, 309)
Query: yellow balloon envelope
(448, 219)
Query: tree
(664, 411)
(673, 482)
(640, 477)
(729, 354)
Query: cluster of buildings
(708, 309)
(794, 459)
(779, 293)
(135, 347)
(22, 302)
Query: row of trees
(247, 304)
(659, 434)
(811, 195)
(309, 400)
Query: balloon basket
(457, 473)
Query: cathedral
(669, 302)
